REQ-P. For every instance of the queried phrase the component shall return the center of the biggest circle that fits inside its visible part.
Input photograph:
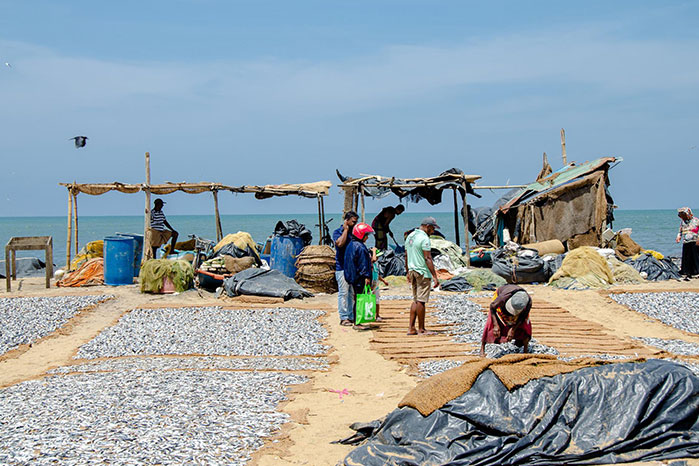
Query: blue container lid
(118, 238)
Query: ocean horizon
(652, 229)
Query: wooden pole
(48, 252)
(464, 214)
(147, 250)
(563, 147)
(219, 230)
(456, 220)
(361, 190)
(69, 234)
(75, 219)
(510, 186)
(320, 220)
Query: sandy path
(375, 384)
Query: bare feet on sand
(422, 331)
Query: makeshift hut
(572, 205)
(413, 189)
(317, 190)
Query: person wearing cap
(342, 237)
(381, 225)
(157, 233)
(508, 319)
(421, 272)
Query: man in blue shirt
(341, 237)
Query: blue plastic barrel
(137, 251)
(283, 254)
(118, 260)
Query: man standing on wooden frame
(157, 233)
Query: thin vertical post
(361, 190)
(456, 220)
(75, 218)
(320, 220)
(563, 147)
(464, 214)
(49, 261)
(219, 230)
(147, 250)
(69, 234)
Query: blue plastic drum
(283, 254)
(118, 260)
(137, 252)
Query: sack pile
(316, 269)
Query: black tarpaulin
(605, 414)
(261, 282)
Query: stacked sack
(316, 269)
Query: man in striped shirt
(157, 232)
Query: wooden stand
(26, 243)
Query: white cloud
(585, 57)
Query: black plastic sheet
(519, 268)
(606, 414)
(26, 267)
(295, 230)
(656, 269)
(261, 282)
(231, 249)
(455, 284)
(391, 263)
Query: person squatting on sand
(421, 273)
(381, 225)
(342, 237)
(508, 319)
(358, 260)
(689, 235)
(157, 233)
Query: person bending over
(508, 319)
(381, 225)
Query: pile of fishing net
(89, 273)
(582, 268)
(91, 250)
(588, 267)
(154, 273)
(316, 269)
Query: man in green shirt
(421, 273)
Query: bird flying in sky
(80, 141)
(8, 65)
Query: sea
(652, 229)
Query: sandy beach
(364, 381)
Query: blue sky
(273, 91)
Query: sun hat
(517, 302)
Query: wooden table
(26, 243)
